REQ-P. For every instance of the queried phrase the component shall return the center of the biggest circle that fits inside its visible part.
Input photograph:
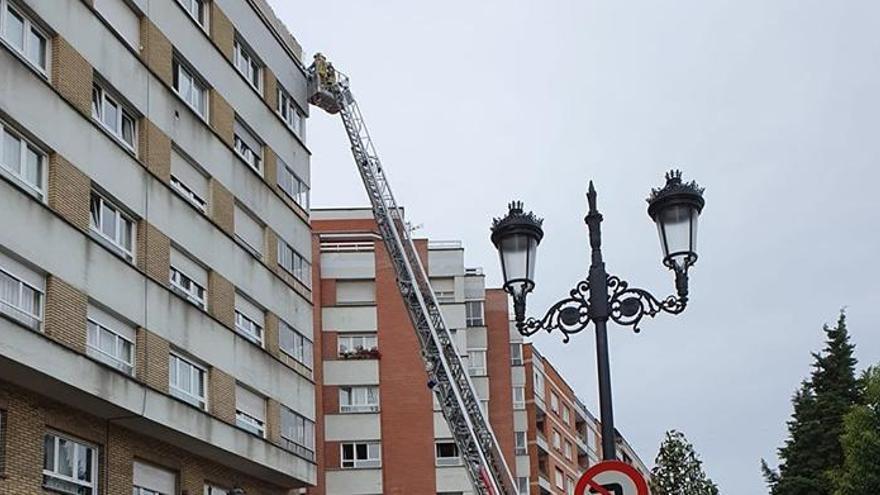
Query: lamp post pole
(599, 311)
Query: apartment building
(382, 430)
(156, 324)
(561, 438)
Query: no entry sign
(611, 478)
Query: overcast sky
(773, 106)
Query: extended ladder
(476, 442)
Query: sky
(772, 106)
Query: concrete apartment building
(382, 431)
(562, 438)
(156, 322)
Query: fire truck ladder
(476, 442)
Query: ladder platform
(325, 100)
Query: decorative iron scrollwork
(570, 315)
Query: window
(292, 185)
(519, 397)
(294, 263)
(592, 439)
(249, 319)
(539, 384)
(250, 411)
(297, 433)
(110, 340)
(189, 181)
(560, 479)
(569, 487)
(361, 455)
(188, 278)
(248, 147)
(69, 466)
(21, 293)
(516, 354)
(112, 225)
(356, 343)
(520, 446)
(567, 450)
(522, 484)
(355, 292)
(197, 9)
(566, 416)
(148, 479)
(359, 399)
(444, 289)
(474, 313)
(120, 121)
(554, 402)
(187, 381)
(295, 344)
(122, 19)
(447, 454)
(20, 33)
(22, 160)
(191, 89)
(248, 230)
(291, 114)
(557, 440)
(248, 65)
(477, 362)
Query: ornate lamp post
(675, 208)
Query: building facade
(382, 431)
(156, 324)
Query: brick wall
(155, 149)
(156, 51)
(222, 31)
(270, 165)
(273, 420)
(271, 334)
(65, 317)
(72, 75)
(152, 353)
(270, 89)
(153, 252)
(69, 191)
(270, 257)
(222, 117)
(222, 207)
(221, 396)
(221, 299)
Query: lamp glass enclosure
(677, 227)
(517, 253)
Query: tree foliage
(860, 474)
(813, 451)
(678, 469)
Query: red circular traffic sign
(611, 478)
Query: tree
(678, 470)
(813, 451)
(860, 474)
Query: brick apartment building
(155, 279)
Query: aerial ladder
(447, 376)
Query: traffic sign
(611, 478)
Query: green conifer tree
(678, 470)
(860, 474)
(813, 451)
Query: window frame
(252, 158)
(180, 69)
(446, 461)
(118, 363)
(202, 373)
(299, 268)
(25, 145)
(363, 336)
(54, 472)
(177, 285)
(299, 446)
(37, 322)
(290, 113)
(367, 462)
(475, 321)
(243, 53)
(189, 194)
(302, 188)
(517, 448)
(354, 405)
(517, 403)
(516, 358)
(201, 5)
(29, 26)
(306, 359)
(257, 337)
(123, 111)
(482, 370)
(249, 423)
(121, 218)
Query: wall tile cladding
(65, 316)
(157, 51)
(72, 75)
(69, 191)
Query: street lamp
(675, 208)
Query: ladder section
(459, 403)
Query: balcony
(541, 442)
(544, 486)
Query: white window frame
(253, 158)
(28, 27)
(554, 402)
(122, 219)
(567, 449)
(566, 415)
(290, 113)
(475, 321)
(249, 328)
(53, 472)
(352, 346)
(373, 459)
(195, 294)
(189, 194)
(447, 460)
(101, 97)
(520, 447)
(294, 263)
(519, 397)
(303, 350)
(24, 146)
(250, 423)
(198, 376)
(557, 440)
(473, 369)
(18, 313)
(357, 399)
(560, 479)
(198, 90)
(516, 357)
(201, 11)
(248, 65)
(294, 187)
(126, 365)
(302, 440)
(522, 483)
